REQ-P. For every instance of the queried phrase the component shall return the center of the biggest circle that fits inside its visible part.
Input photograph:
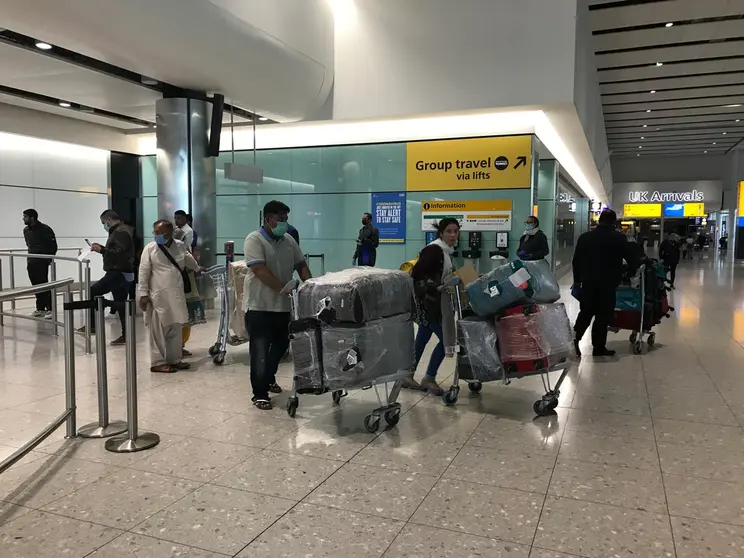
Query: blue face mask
(106, 227)
(529, 226)
(281, 229)
(160, 239)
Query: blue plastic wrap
(546, 286)
(500, 288)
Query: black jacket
(535, 246)
(598, 258)
(40, 239)
(367, 243)
(669, 252)
(427, 277)
(118, 254)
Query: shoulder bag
(184, 275)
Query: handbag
(184, 275)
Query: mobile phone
(88, 242)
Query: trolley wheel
(219, 359)
(633, 337)
(651, 340)
(392, 416)
(450, 396)
(292, 404)
(544, 408)
(337, 395)
(638, 347)
(475, 387)
(371, 423)
(214, 349)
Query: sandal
(181, 366)
(263, 404)
(163, 368)
(275, 388)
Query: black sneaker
(119, 342)
(603, 352)
(576, 347)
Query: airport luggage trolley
(542, 407)
(638, 322)
(218, 275)
(389, 407)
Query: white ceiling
(683, 105)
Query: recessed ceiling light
(652, 92)
(738, 120)
(714, 143)
(659, 64)
(670, 24)
(640, 147)
(724, 133)
(64, 104)
(643, 137)
(645, 125)
(705, 151)
(732, 106)
(263, 119)
(148, 81)
(658, 129)
(43, 46)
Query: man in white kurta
(162, 297)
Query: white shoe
(38, 313)
(48, 315)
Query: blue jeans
(437, 356)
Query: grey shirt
(282, 256)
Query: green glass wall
(328, 189)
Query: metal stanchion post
(70, 366)
(103, 428)
(133, 440)
(86, 315)
(54, 298)
(11, 269)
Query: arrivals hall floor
(644, 458)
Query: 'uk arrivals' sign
(654, 196)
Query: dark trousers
(596, 302)
(38, 273)
(672, 272)
(112, 282)
(269, 341)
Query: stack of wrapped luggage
(519, 329)
(352, 329)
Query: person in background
(272, 257)
(294, 233)
(702, 240)
(183, 232)
(195, 240)
(118, 265)
(669, 252)
(162, 296)
(187, 235)
(689, 246)
(534, 244)
(434, 314)
(367, 243)
(40, 239)
(597, 271)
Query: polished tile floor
(644, 457)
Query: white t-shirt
(282, 257)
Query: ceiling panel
(685, 52)
(43, 107)
(700, 81)
(645, 95)
(673, 35)
(672, 70)
(29, 71)
(659, 13)
(723, 102)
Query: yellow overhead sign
(642, 210)
(695, 210)
(469, 164)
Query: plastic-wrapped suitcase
(357, 295)
(545, 285)
(500, 288)
(533, 338)
(305, 337)
(359, 355)
(478, 359)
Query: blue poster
(389, 216)
(674, 210)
